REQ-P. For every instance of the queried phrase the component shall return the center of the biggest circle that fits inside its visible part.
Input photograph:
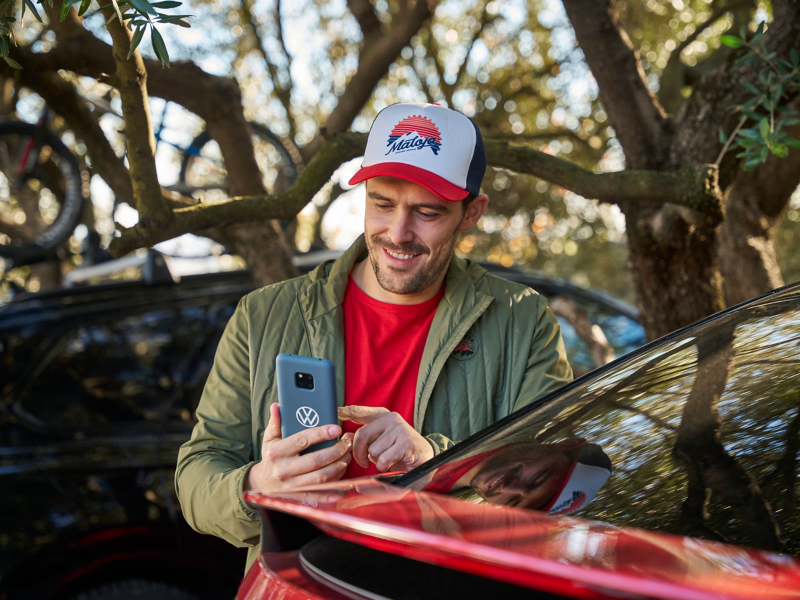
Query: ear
(474, 212)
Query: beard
(416, 278)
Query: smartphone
(306, 395)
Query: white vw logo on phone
(307, 416)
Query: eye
(427, 216)
(383, 206)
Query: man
(558, 478)
(428, 348)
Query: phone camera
(304, 381)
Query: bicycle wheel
(203, 173)
(41, 194)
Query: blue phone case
(303, 407)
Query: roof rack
(155, 270)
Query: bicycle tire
(291, 162)
(74, 198)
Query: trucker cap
(435, 147)
(587, 475)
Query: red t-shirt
(383, 346)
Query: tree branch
(365, 15)
(379, 51)
(634, 112)
(336, 149)
(131, 78)
(693, 186)
(283, 93)
(674, 74)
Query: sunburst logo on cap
(414, 133)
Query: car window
(136, 368)
(701, 431)
(584, 325)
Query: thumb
(273, 430)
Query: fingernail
(333, 430)
(348, 442)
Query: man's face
(410, 234)
(525, 475)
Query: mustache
(400, 249)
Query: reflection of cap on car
(588, 473)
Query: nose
(400, 230)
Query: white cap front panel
(425, 136)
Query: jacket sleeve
(547, 366)
(213, 464)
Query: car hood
(570, 556)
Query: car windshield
(696, 434)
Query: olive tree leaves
(778, 81)
(142, 14)
(137, 15)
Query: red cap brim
(563, 485)
(438, 185)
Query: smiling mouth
(400, 256)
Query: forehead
(404, 191)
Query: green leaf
(790, 122)
(722, 137)
(748, 59)
(792, 143)
(761, 26)
(764, 153)
(752, 164)
(794, 55)
(750, 87)
(3, 46)
(779, 150)
(32, 7)
(143, 6)
(749, 133)
(159, 47)
(167, 4)
(748, 142)
(763, 128)
(12, 63)
(64, 11)
(731, 41)
(84, 7)
(174, 21)
(8, 19)
(136, 40)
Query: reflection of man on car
(557, 478)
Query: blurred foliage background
(513, 66)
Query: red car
(677, 466)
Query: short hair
(466, 202)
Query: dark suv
(99, 386)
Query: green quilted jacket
(493, 347)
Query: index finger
(296, 443)
(360, 414)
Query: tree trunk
(709, 465)
(755, 204)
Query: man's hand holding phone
(282, 467)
